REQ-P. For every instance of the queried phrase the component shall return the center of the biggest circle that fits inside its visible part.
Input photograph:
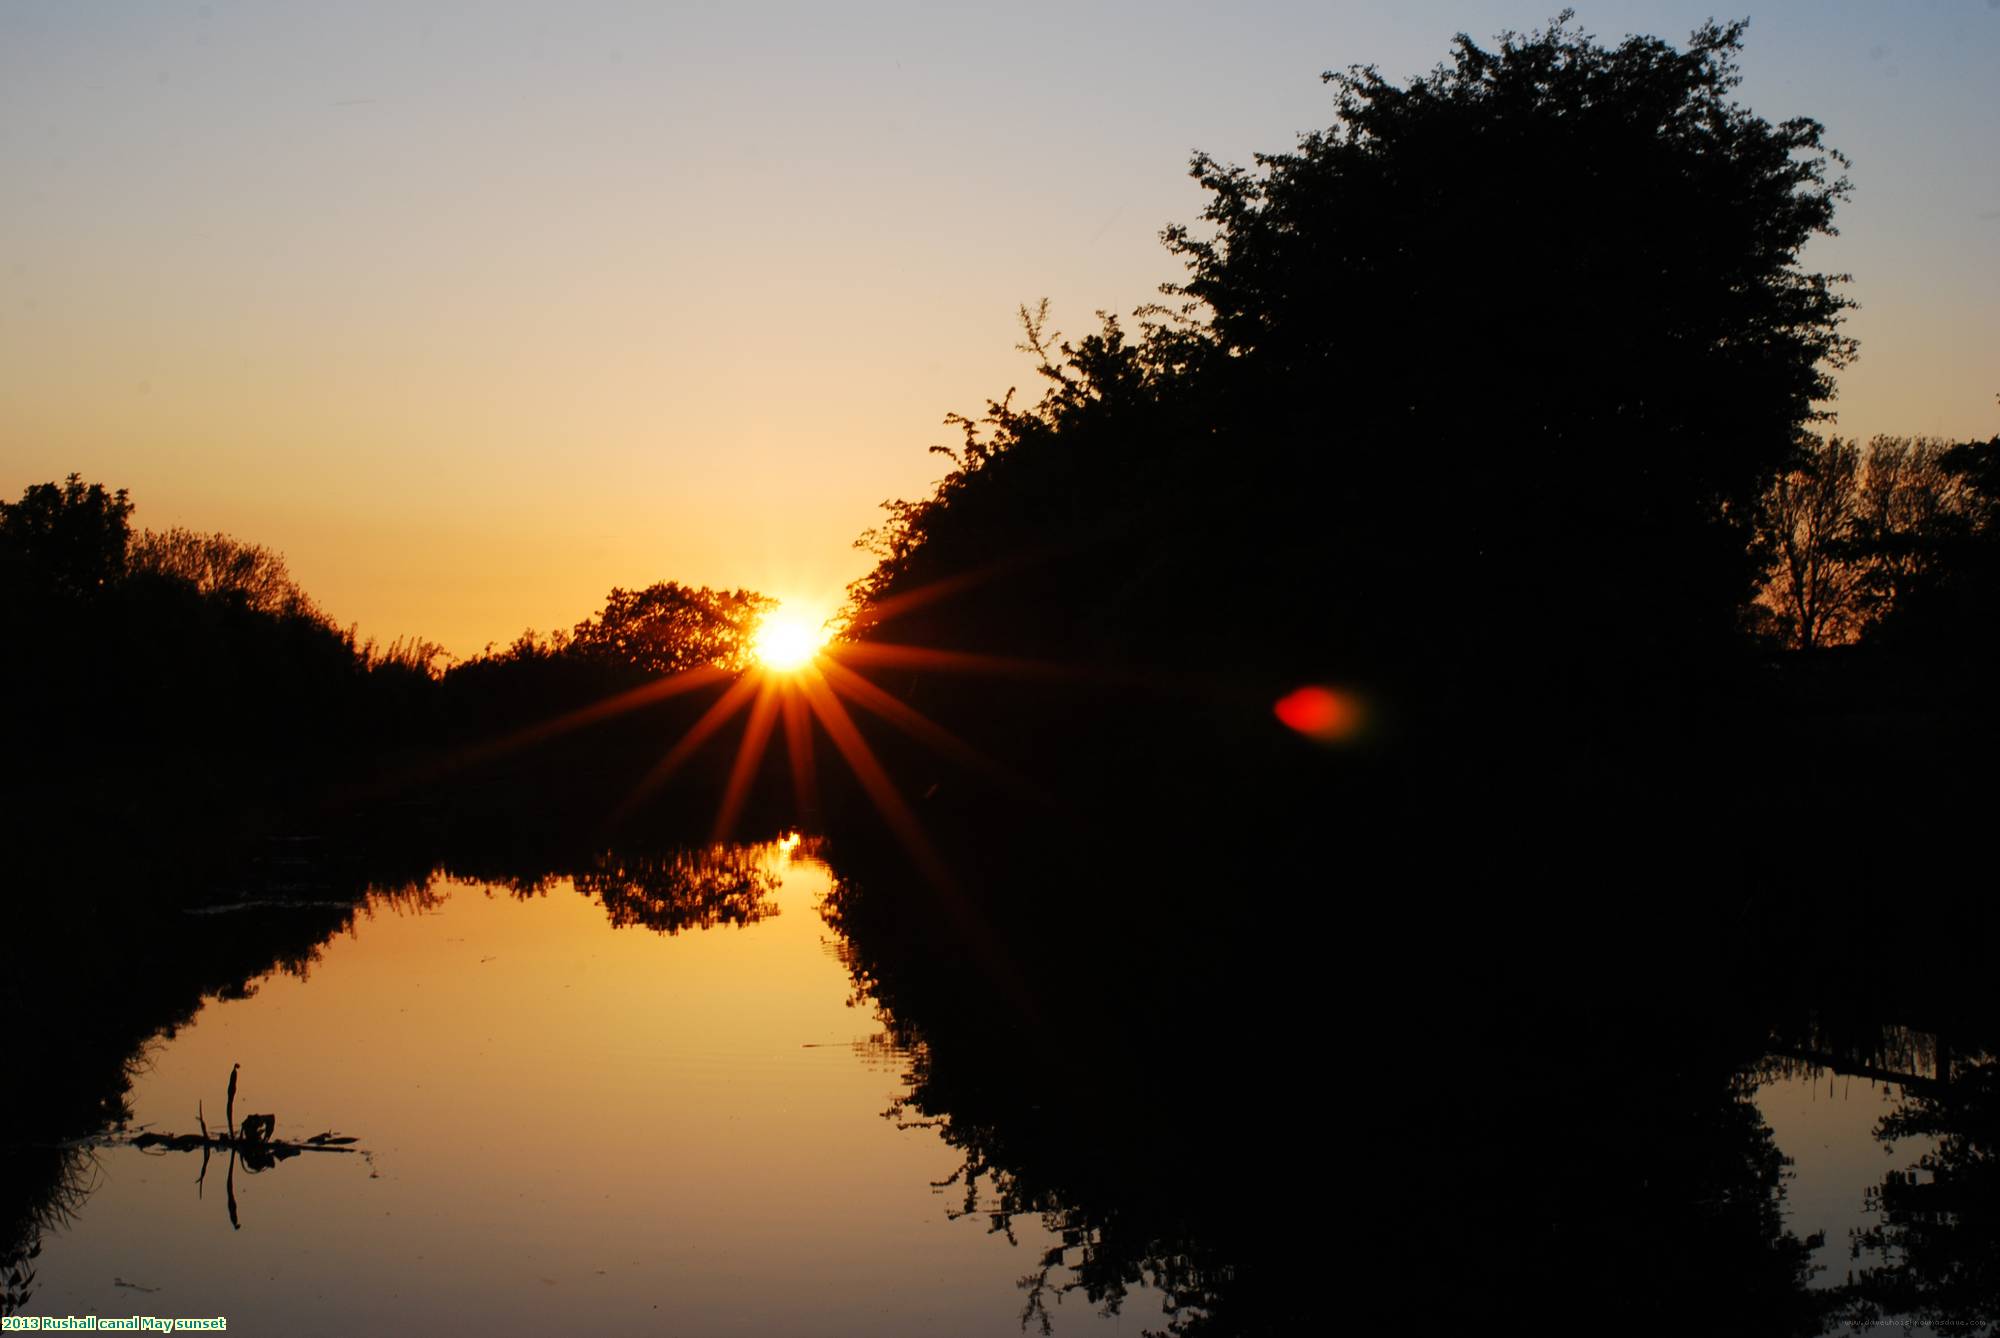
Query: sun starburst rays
(749, 756)
(799, 750)
(798, 690)
(890, 655)
(795, 678)
(918, 725)
(801, 690)
(698, 733)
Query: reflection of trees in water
(1938, 1227)
(409, 896)
(278, 920)
(683, 889)
(1605, 1159)
(167, 961)
(41, 1189)
(1134, 1190)
(664, 891)
(1109, 1239)
(1886, 1052)
(1608, 1160)
(1936, 1222)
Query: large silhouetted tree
(1493, 372)
(1561, 280)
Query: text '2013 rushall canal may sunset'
(112, 1323)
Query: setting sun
(786, 641)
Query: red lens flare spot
(1323, 714)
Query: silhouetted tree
(1912, 504)
(178, 680)
(68, 538)
(216, 564)
(1472, 397)
(1810, 519)
(668, 627)
(1851, 533)
(1564, 274)
(1947, 596)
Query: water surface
(565, 1119)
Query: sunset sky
(476, 310)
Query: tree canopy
(1497, 365)
(669, 627)
(1854, 534)
(69, 538)
(218, 565)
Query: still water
(562, 1119)
(1825, 1124)
(721, 1091)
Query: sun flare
(785, 641)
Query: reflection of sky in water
(1825, 1123)
(568, 1122)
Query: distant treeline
(161, 682)
(177, 686)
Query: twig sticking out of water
(254, 1139)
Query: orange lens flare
(1323, 714)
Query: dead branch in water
(254, 1139)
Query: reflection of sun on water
(786, 641)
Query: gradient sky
(476, 310)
